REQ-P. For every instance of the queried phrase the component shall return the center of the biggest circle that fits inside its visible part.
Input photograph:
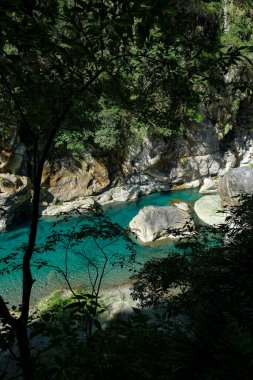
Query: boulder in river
(152, 223)
(182, 206)
(119, 194)
(236, 182)
(209, 210)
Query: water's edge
(49, 279)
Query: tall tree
(56, 56)
(52, 53)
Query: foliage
(70, 45)
(240, 19)
(212, 308)
(197, 321)
(155, 68)
(95, 71)
(71, 319)
(52, 54)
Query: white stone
(192, 184)
(208, 209)
(105, 198)
(121, 194)
(67, 207)
(182, 206)
(152, 223)
(188, 185)
(247, 158)
(210, 186)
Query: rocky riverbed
(199, 158)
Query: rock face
(208, 210)
(185, 161)
(15, 195)
(210, 186)
(149, 165)
(153, 223)
(180, 160)
(68, 179)
(12, 154)
(236, 182)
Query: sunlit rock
(209, 210)
(67, 207)
(210, 186)
(152, 223)
(69, 179)
(188, 185)
(182, 206)
(15, 195)
(12, 154)
(236, 182)
(119, 194)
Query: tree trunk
(24, 349)
(19, 325)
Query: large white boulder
(209, 210)
(120, 194)
(236, 182)
(182, 206)
(123, 194)
(152, 223)
(188, 185)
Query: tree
(207, 295)
(52, 54)
(57, 56)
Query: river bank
(48, 279)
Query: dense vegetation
(92, 76)
(203, 331)
(196, 322)
(155, 61)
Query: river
(81, 256)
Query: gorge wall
(153, 164)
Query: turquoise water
(83, 260)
